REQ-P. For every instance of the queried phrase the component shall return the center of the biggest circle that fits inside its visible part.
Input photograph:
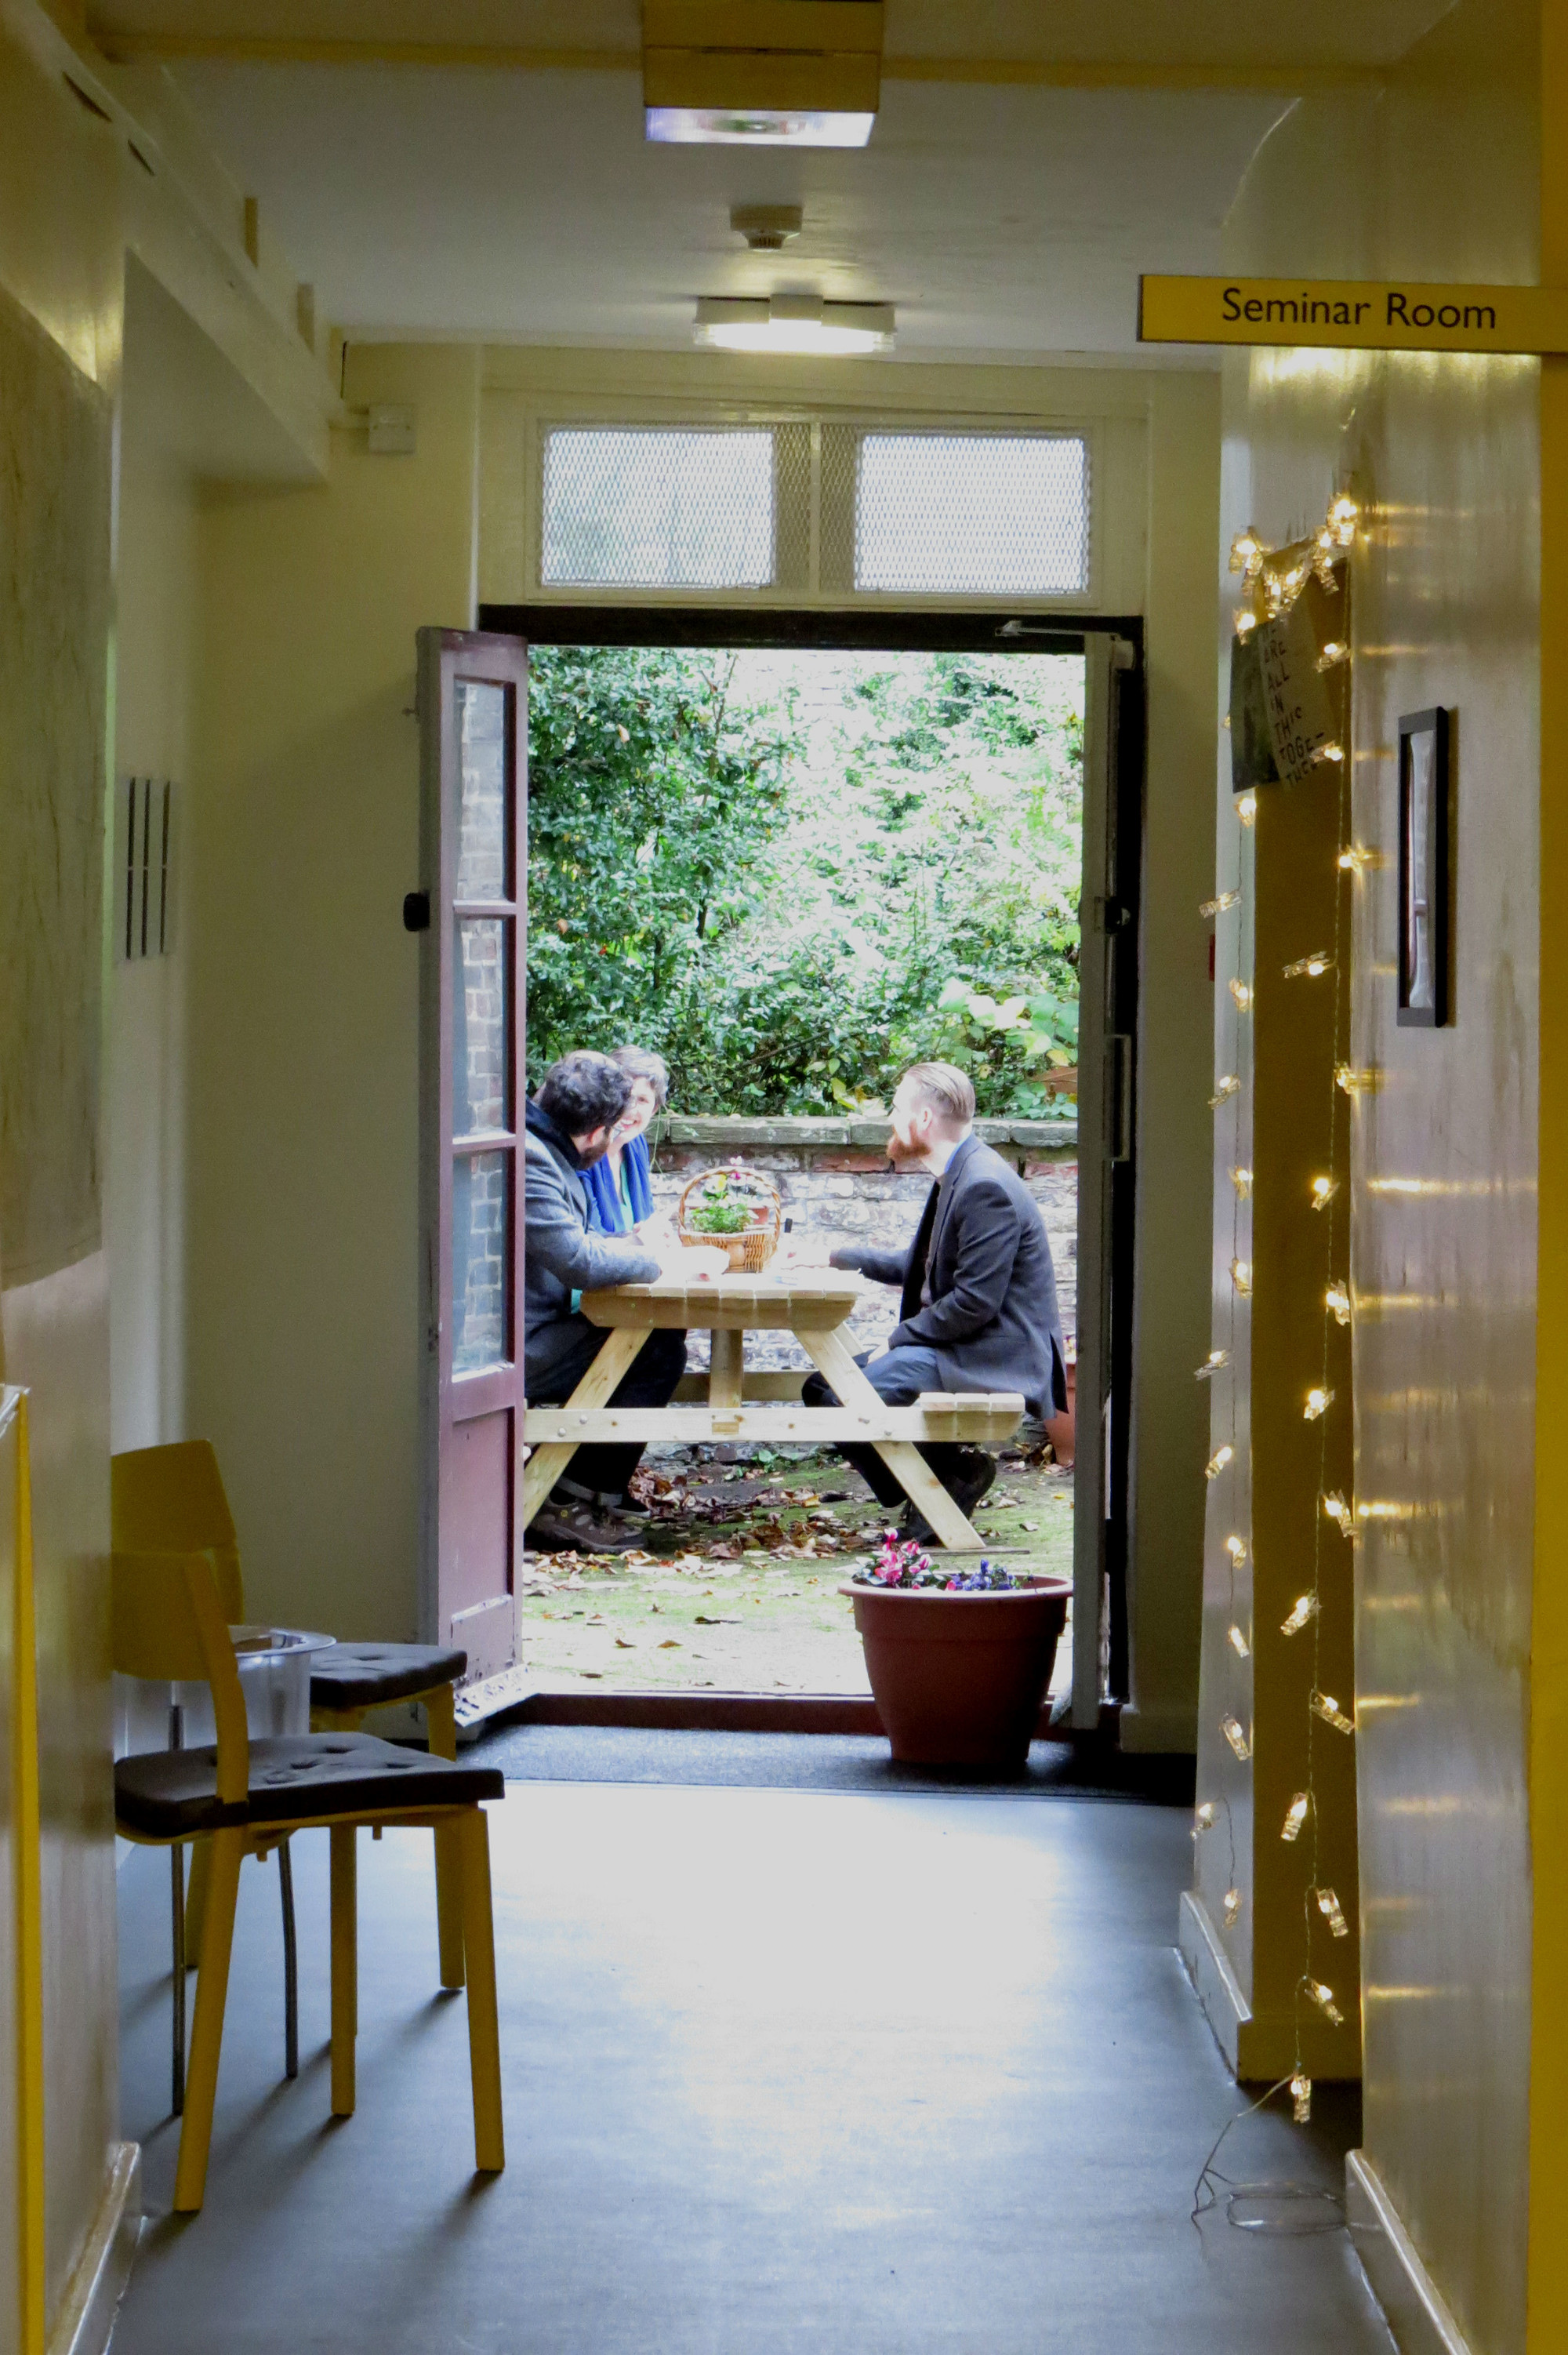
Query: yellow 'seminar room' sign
(1354, 314)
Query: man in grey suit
(979, 1308)
(568, 1125)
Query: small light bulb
(1232, 1906)
(1339, 1512)
(1318, 1401)
(1217, 906)
(1329, 1907)
(1334, 653)
(1235, 1734)
(1337, 1298)
(1325, 1705)
(1301, 2099)
(1246, 623)
(1301, 1610)
(1241, 991)
(1355, 860)
(1295, 1816)
(1247, 807)
(1343, 517)
(1226, 1086)
(1354, 1082)
(1217, 1462)
(1323, 1191)
(1241, 1277)
(1327, 754)
(1238, 1643)
(1246, 551)
(1310, 968)
(1242, 1180)
(1323, 1997)
(1236, 1548)
(1212, 1364)
(1204, 1819)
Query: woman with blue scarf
(620, 1194)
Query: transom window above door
(796, 507)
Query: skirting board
(1412, 2303)
(1215, 1983)
(92, 2296)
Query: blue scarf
(606, 1210)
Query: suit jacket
(561, 1256)
(992, 1318)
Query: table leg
(832, 1358)
(545, 1466)
(726, 1376)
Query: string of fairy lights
(1271, 581)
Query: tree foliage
(794, 873)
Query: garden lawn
(736, 1587)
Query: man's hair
(642, 1063)
(584, 1092)
(948, 1092)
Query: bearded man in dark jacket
(979, 1308)
(568, 1129)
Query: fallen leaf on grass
(704, 1621)
(670, 1644)
(624, 1644)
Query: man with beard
(569, 1127)
(978, 1309)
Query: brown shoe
(562, 1526)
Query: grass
(736, 1587)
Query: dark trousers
(899, 1377)
(650, 1381)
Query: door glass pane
(481, 1290)
(482, 1010)
(483, 866)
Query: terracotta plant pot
(958, 1679)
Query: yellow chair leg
(195, 1900)
(225, 1851)
(345, 1966)
(483, 2030)
(440, 1725)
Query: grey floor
(815, 1762)
(784, 2070)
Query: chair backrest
(171, 1500)
(169, 1623)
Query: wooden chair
(171, 1499)
(244, 1797)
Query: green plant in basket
(721, 1218)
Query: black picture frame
(1425, 869)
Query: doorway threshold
(515, 1697)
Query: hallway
(784, 2070)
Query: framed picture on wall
(1424, 870)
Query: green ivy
(792, 875)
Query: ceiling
(478, 168)
(477, 202)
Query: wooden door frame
(997, 629)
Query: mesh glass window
(973, 515)
(657, 508)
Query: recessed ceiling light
(760, 126)
(795, 323)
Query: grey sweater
(561, 1253)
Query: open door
(471, 906)
(1104, 1145)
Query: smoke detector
(767, 228)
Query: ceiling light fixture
(759, 126)
(761, 73)
(795, 323)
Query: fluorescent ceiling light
(795, 323)
(758, 126)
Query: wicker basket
(749, 1251)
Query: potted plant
(959, 1659)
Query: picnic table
(762, 1409)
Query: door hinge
(1110, 914)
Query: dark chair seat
(364, 1675)
(172, 1794)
